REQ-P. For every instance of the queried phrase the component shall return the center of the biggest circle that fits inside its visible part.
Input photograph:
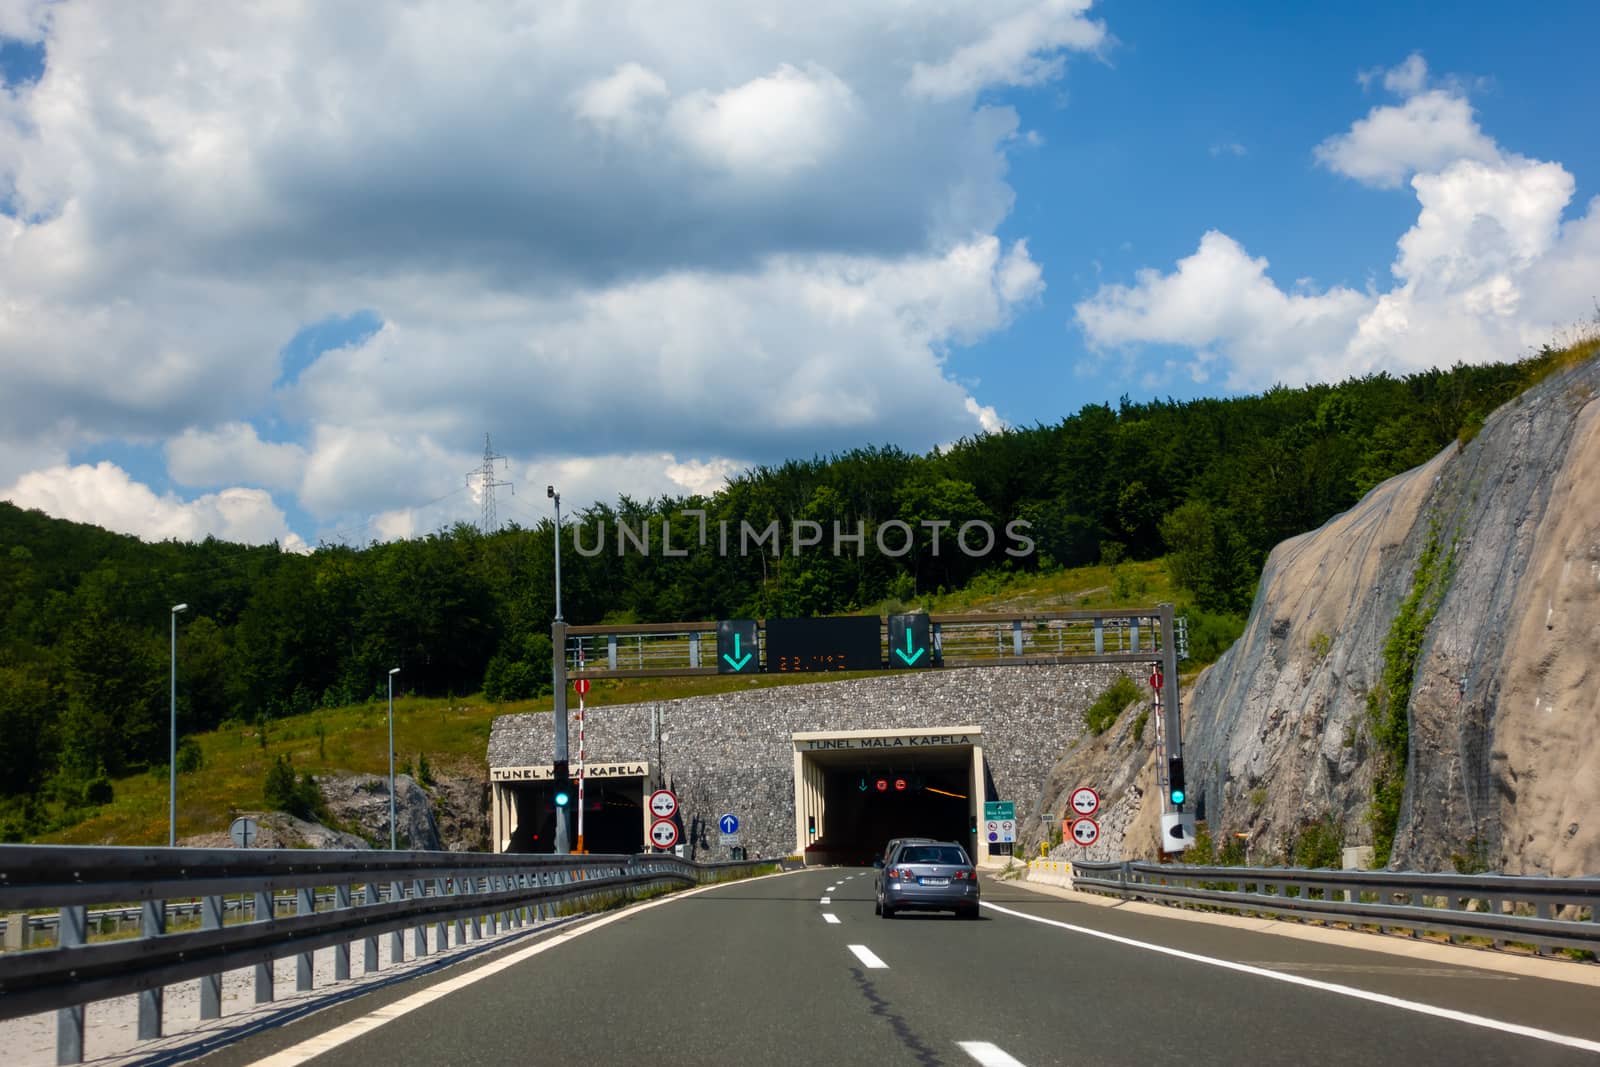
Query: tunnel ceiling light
(943, 793)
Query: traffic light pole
(1172, 724)
(558, 639)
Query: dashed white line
(989, 1054)
(825, 900)
(829, 917)
(1327, 987)
(868, 958)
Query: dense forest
(1211, 485)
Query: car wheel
(886, 911)
(968, 913)
(877, 908)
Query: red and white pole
(581, 717)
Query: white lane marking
(989, 1054)
(867, 958)
(829, 917)
(825, 900)
(830, 889)
(316, 1046)
(1327, 987)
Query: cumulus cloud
(583, 232)
(104, 495)
(1489, 269)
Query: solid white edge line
(829, 917)
(316, 1046)
(989, 1054)
(1327, 987)
(868, 958)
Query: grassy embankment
(454, 734)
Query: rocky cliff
(1474, 583)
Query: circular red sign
(1155, 680)
(899, 785)
(883, 785)
(663, 833)
(581, 685)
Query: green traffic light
(562, 798)
(1177, 796)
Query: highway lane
(755, 972)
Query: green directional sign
(1000, 809)
(908, 641)
(736, 647)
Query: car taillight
(898, 872)
(962, 876)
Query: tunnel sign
(1085, 832)
(908, 641)
(663, 804)
(664, 833)
(1085, 801)
(736, 647)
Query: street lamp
(558, 675)
(550, 491)
(393, 836)
(172, 749)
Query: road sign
(1085, 832)
(991, 827)
(1084, 801)
(736, 647)
(908, 641)
(1155, 681)
(834, 643)
(244, 831)
(1177, 831)
(663, 833)
(663, 804)
(581, 686)
(728, 824)
(1008, 831)
(999, 809)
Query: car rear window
(932, 854)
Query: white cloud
(1488, 270)
(1222, 297)
(104, 494)
(233, 452)
(1022, 48)
(1229, 148)
(1426, 133)
(585, 231)
(786, 121)
(618, 100)
(1407, 78)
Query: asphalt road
(756, 973)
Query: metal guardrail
(365, 894)
(628, 650)
(1548, 913)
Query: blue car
(928, 876)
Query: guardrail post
(441, 931)
(341, 951)
(1543, 910)
(694, 649)
(211, 984)
(264, 913)
(369, 962)
(1016, 637)
(72, 930)
(419, 939)
(477, 920)
(457, 888)
(152, 923)
(304, 962)
(397, 940)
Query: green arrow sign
(909, 655)
(736, 661)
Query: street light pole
(393, 836)
(558, 656)
(172, 748)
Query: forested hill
(1214, 484)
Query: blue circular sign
(729, 824)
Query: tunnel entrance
(855, 791)
(614, 816)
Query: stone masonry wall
(732, 752)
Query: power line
(487, 486)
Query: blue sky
(274, 275)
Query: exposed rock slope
(1503, 767)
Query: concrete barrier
(1051, 872)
